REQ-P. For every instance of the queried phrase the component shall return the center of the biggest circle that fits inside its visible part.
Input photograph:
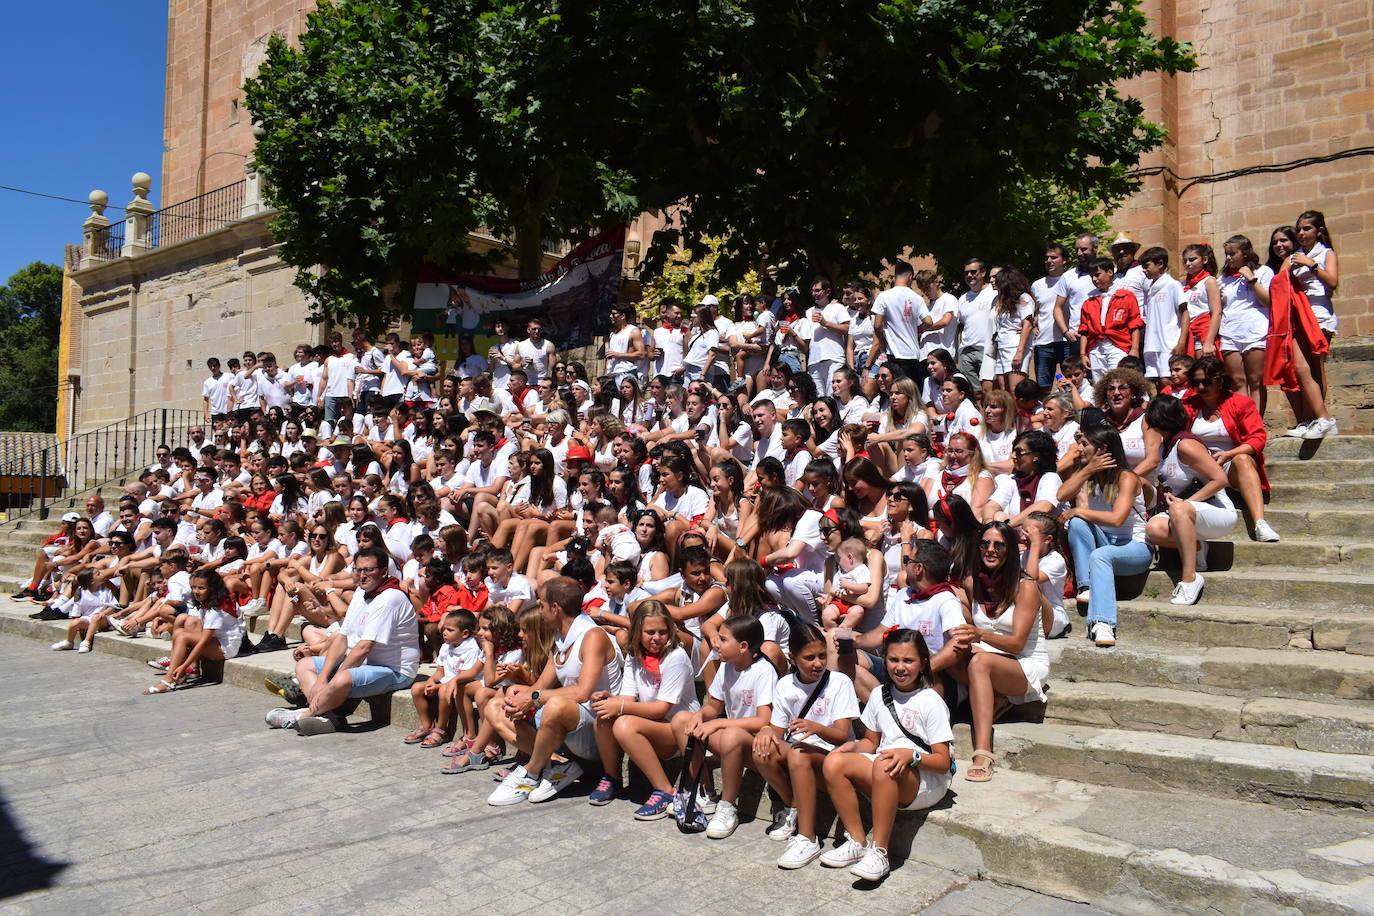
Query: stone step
(1340, 447)
(1209, 624)
(1267, 586)
(1334, 726)
(1292, 673)
(1154, 761)
(1333, 555)
(1294, 471)
(1309, 521)
(1334, 491)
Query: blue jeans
(334, 408)
(1047, 356)
(1097, 560)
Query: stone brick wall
(212, 47)
(149, 324)
(1276, 82)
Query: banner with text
(573, 297)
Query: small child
(472, 591)
(1111, 326)
(915, 458)
(620, 589)
(1073, 378)
(498, 635)
(739, 703)
(850, 581)
(89, 604)
(1180, 370)
(459, 661)
(1049, 574)
(902, 763)
(443, 596)
(504, 584)
(213, 631)
(537, 637)
(812, 709)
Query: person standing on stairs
(1298, 345)
(1193, 506)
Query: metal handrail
(85, 462)
(197, 216)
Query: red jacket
(1123, 317)
(1290, 315)
(1243, 424)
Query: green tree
(803, 134)
(30, 317)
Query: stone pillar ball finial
(98, 199)
(142, 182)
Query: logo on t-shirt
(746, 698)
(910, 719)
(821, 708)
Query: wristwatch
(915, 759)
(534, 699)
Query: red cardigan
(1122, 317)
(1242, 421)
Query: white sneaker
(1320, 429)
(1265, 532)
(555, 778)
(281, 717)
(1202, 548)
(801, 851)
(1188, 592)
(1300, 431)
(706, 800)
(844, 855)
(255, 608)
(83, 648)
(1103, 634)
(61, 646)
(723, 822)
(873, 866)
(1083, 596)
(784, 824)
(514, 789)
(161, 664)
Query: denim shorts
(581, 740)
(371, 680)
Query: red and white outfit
(1106, 328)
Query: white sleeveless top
(1177, 477)
(1002, 626)
(567, 657)
(1133, 528)
(1133, 441)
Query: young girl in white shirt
(739, 703)
(89, 605)
(902, 763)
(214, 630)
(812, 709)
(656, 686)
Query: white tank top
(1133, 528)
(1213, 434)
(1133, 441)
(1002, 626)
(567, 657)
(1178, 478)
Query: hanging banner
(573, 297)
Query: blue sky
(82, 108)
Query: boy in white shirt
(505, 585)
(1049, 573)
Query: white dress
(1034, 657)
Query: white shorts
(51, 550)
(1157, 364)
(934, 786)
(1326, 315)
(1244, 341)
(1214, 521)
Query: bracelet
(622, 707)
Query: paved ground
(111, 801)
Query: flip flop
(474, 762)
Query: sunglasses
(994, 546)
(1202, 382)
(1020, 452)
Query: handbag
(689, 819)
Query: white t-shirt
(808, 531)
(828, 345)
(500, 368)
(700, 347)
(902, 309)
(457, 659)
(340, 368)
(839, 701)
(1046, 292)
(923, 713)
(517, 594)
(941, 338)
(1077, 288)
(972, 317)
(1159, 309)
(671, 342)
(932, 618)
(743, 692)
(388, 621)
(673, 682)
(227, 625)
(1052, 565)
(692, 504)
(536, 357)
(217, 390)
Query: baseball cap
(485, 405)
(708, 299)
(310, 433)
(71, 517)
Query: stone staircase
(1350, 395)
(1220, 759)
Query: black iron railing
(50, 471)
(109, 243)
(197, 216)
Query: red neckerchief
(501, 443)
(1190, 282)
(398, 520)
(1132, 415)
(1026, 487)
(925, 594)
(987, 584)
(669, 325)
(652, 663)
(387, 583)
(950, 478)
(230, 607)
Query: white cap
(485, 405)
(71, 517)
(708, 299)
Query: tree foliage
(30, 318)
(803, 134)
